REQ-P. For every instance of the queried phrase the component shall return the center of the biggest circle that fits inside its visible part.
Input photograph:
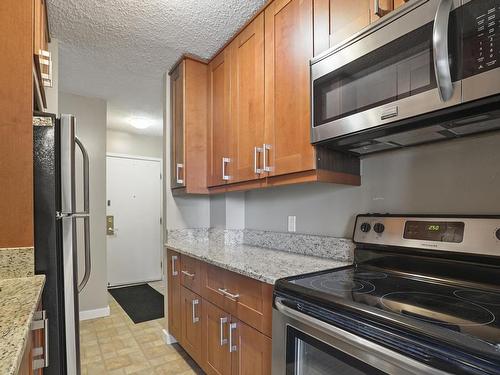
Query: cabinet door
(191, 273)
(192, 306)
(247, 100)
(347, 18)
(174, 295)
(177, 126)
(288, 49)
(250, 300)
(220, 165)
(215, 347)
(251, 353)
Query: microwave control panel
(481, 36)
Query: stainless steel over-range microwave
(426, 72)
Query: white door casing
(133, 193)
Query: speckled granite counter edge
(17, 262)
(11, 356)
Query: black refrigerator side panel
(48, 240)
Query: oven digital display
(441, 231)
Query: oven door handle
(361, 344)
(440, 50)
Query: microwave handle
(440, 50)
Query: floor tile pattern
(115, 345)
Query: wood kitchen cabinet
(220, 152)
(42, 60)
(174, 295)
(188, 132)
(191, 319)
(216, 358)
(191, 274)
(252, 351)
(337, 20)
(34, 359)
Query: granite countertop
(264, 264)
(19, 300)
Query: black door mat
(140, 302)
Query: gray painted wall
(119, 142)
(456, 177)
(91, 129)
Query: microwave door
(394, 70)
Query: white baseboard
(168, 338)
(93, 314)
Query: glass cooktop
(468, 310)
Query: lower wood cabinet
(226, 327)
(35, 354)
(191, 320)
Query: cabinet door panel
(252, 354)
(219, 134)
(192, 306)
(215, 348)
(177, 126)
(288, 49)
(191, 273)
(174, 295)
(348, 17)
(253, 303)
(212, 281)
(247, 98)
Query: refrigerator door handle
(85, 215)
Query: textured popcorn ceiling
(119, 49)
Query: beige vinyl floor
(115, 345)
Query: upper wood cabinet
(289, 47)
(337, 20)
(220, 135)
(188, 136)
(247, 101)
(42, 60)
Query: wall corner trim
(93, 314)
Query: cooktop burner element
(338, 285)
(370, 275)
(438, 309)
(479, 296)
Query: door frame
(162, 223)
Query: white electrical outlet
(292, 223)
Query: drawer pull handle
(223, 341)
(194, 303)
(186, 273)
(231, 296)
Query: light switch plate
(292, 223)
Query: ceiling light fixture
(140, 122)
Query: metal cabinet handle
(178, 167)
(188, 274)
(440, 50)
(232, 348)
(85, 215)
(256, 152)
(193, 305)
(223, 341)
(267, 168)
(225, 161)
(378, 10)
(174, 259)
(233, 297)
(40, 321)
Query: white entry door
(134, 201)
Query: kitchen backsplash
(307, 244)
(17, 262)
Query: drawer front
(191, 273)
(249, 300)
(212, 282)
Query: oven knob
(498, 233)
(379, 228)
(365, 227)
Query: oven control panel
(481, 38)
(475, 235)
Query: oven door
(406, 64)
(305, 345)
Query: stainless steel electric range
(423, 297)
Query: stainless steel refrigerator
(56, 240)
